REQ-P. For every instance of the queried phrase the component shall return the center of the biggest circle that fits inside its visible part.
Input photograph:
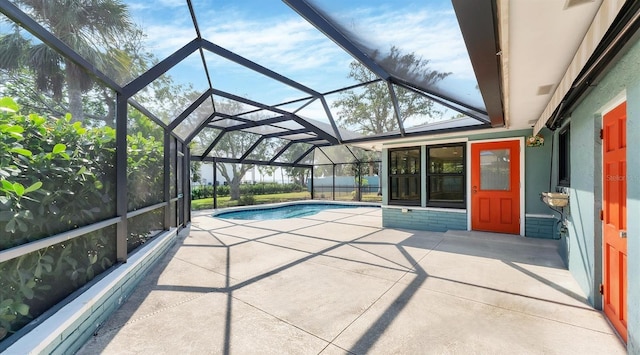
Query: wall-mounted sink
(555, 199)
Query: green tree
(93, 28)
(370, 110)
(298, 174)
(56, 176)
(195, 171)
(233, 144)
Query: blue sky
(273, 35)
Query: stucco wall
(585, 190)
(633, 209)
(537, 172)
(584, 242)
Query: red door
(614, 164)
(495, 187)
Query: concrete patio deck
(337, 282)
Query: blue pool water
(281, 212)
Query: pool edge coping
(218, 211)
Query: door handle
(474, 189)
(623, 234)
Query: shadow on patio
(337, 282)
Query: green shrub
(247, 200)
(145, 171)
(56, 176)
(201, 192)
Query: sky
(271, 34)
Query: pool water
(281, 212)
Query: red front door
(614, 164)
(495, 187)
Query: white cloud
(163, 40)
(434, 35)
(137, 6)
(287, 44)
(155, 5)
(171, 3)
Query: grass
(207, 203)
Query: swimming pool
(284, 211)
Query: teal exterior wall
(537, 167)
(537, 180)
(435, 220)
(584, 241)
(541, 227)
(633, 208)
(384, 177)
(538, 161)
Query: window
(564, 157)
(404, 176)
(446, 176)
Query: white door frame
(522, 178)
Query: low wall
(421, 218)
(545, 227)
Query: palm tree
(93, 28)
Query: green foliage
(145, 176)
(370, 110)
(224, 202)
(52, 173)
(299, 175)
(92, 29)
(55, 176)
(233, 144)
(247, 200)
(195, 171)
(265, 188)
(145, 170)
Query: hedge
(266, 188)
(55, 176)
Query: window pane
(446, 176)
(446, 160)
(405, 162)
(494, 169)
(446, 188)
(404, 175)
(405, 188)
